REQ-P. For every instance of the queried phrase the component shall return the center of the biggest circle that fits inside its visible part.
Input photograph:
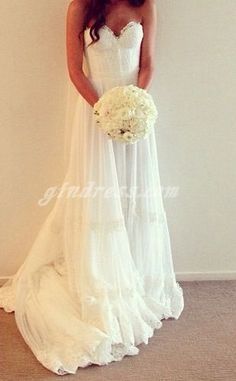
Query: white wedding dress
(99, 277)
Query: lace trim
(149, 217)
(117, 224)
(113, 294)
(122, 31)
(109, 226)
(169, 283)
(170, 286)
(118, 351)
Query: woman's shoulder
(148, 7)
(76, 10)
(148, 4)
(78, 4)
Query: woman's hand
(96, 99)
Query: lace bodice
(114, 59)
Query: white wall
(195, 88)
(32, 105)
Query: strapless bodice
(114, 60)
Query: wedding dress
(99, 277)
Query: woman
(99, 277)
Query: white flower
(127, 136)
(126, 113)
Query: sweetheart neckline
(125, 27)
(132, 22)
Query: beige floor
(201, 345)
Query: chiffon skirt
(99, 277)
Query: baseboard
(201, 276)
(183, 276)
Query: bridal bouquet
(126, 113)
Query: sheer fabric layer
(99, 277)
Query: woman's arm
(147, 55)
(75, 47)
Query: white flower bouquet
(126, 113)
